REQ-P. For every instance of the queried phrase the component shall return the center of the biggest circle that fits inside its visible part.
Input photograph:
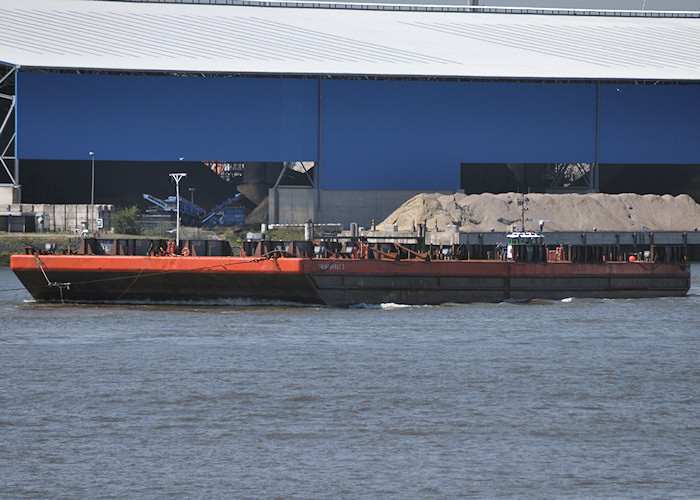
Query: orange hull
(341, 282)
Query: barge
(351, 271)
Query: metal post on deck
(91, 220)
(177, 178)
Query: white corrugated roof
(245, 39)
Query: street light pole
(177, 178)
(92, 194)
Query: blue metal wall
(650, 124)
(415, 134)
(374, 134)
(149, 118)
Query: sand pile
(566, 212)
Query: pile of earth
(563, 212)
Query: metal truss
(572, 177)
(299, 166)
(8, 134)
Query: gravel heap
(565, 212)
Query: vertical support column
(272, 206)
(594, 180)
(317, 207)
(8, 125)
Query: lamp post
(191, 195)
(177, 178)
(92, 194)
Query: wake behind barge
(349, 272)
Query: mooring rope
(49, 283)
(130, 285)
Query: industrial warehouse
(341, 114)
(305, 249)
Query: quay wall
(629, 239)
(689, 239)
